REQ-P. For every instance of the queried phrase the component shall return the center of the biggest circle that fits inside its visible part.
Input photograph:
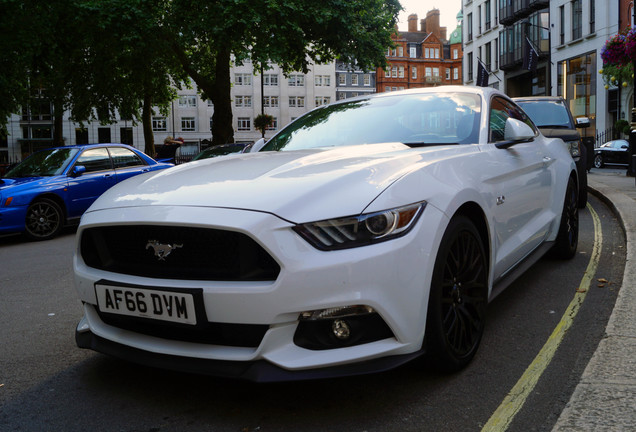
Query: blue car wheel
(44, 220)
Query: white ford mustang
(364, 234)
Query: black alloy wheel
(568, 236)
(598, 161)
(44, 220)
(458, 298)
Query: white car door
(522, 177)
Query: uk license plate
(146, 303)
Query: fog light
(341, 329)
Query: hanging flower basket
(614, 51)
(630, 45)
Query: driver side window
(500, 111)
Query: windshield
(412, 119)
(547, 113)
(44, 163)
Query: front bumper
(257, 371)
(391, 277)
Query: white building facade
(283, 97)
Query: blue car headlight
(354, 231)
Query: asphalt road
(48, 384)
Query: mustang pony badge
(162, 250)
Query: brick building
(422, 57)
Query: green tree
(207, 36)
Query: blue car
(54, 187)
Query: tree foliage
(101, 59)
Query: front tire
(458, 297)
(44, 220)
(598, 161)
(568, 236)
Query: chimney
(442, 31)
(423, 25)
(412, 22)
(432, 22)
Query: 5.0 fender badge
(162, 250)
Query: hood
(26, 182)
(298, 186)
(564, 134)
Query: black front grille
(202, 254)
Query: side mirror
(78, 170)
(516, 130)
(582, 122)
(624, 146)
(256, 146)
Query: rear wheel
(458, 298)
(568, 237)
(598, 161)
(44, 220)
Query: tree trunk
(222, 128)
(146, 118)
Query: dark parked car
(612, 152)
(554, 119)
(221, 150)
(55, 186)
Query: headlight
(366, 229)
(574, 147)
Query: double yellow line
(512, 403)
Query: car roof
(538, 98)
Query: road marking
(512, 403)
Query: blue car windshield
(413, 119)
(44, 163)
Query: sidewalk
(605, 398)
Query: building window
(342, 79)
(244, 124)
(561, 25)
(455, 53)
(436, 53)
(296, 80)
(243, 79)
(412, 52)
(427, 53)
(367, 80)
(322, 100)
(448, 74)
(479, 19)
(187, 101)
(400, 51)
(322, 80)
(455, 73)
(593, 16)
(243, 101)
(270, 79)
(270, 101)
(435, 72)
(469, 63)
(103, 135)
(487, 12)
(188, 124)
(394, 72)
(273, 125)
(470, 28)
(576, 83)
(401, 72)
(428, 72)
(297, 101)
(81, 136)
(577, 20)
(159, 124)
(488, 57)
(126, 135)
(413, 72)
(354, 80)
